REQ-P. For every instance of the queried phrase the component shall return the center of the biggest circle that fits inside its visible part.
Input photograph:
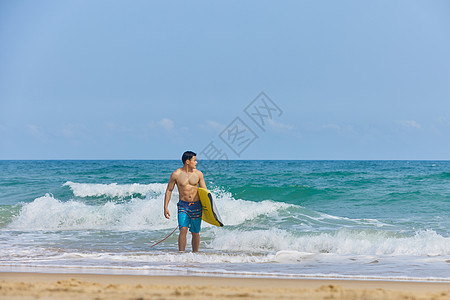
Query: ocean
(369, 220)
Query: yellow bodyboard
(209, 213)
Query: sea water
(287, 219)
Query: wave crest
(114, 189)
(48, 213)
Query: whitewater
(297, 219)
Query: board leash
(164, 238)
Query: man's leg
(195, 241)
(182, 238)
(196, 225)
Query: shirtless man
(187, 179)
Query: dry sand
(90, 286)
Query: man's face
(193, 162)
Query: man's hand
(166, 213)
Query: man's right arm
(170, 187)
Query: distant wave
(284, 193)
(335, 174)
(441, 176)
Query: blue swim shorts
(190, 215)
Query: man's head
(188, 155)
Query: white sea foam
(341, 242)
(286, 256)
(203, 258)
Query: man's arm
(170, 187)
(201, 181)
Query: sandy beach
(92, 286)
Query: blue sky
(151, 79)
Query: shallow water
(325, 219)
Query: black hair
(187, 156)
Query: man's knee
(184, 230)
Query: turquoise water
(320, 219)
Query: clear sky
(110, 79)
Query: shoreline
(18, 285)
(241, 275)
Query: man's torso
(187, 185)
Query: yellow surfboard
(209, 213)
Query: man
(187, 179)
